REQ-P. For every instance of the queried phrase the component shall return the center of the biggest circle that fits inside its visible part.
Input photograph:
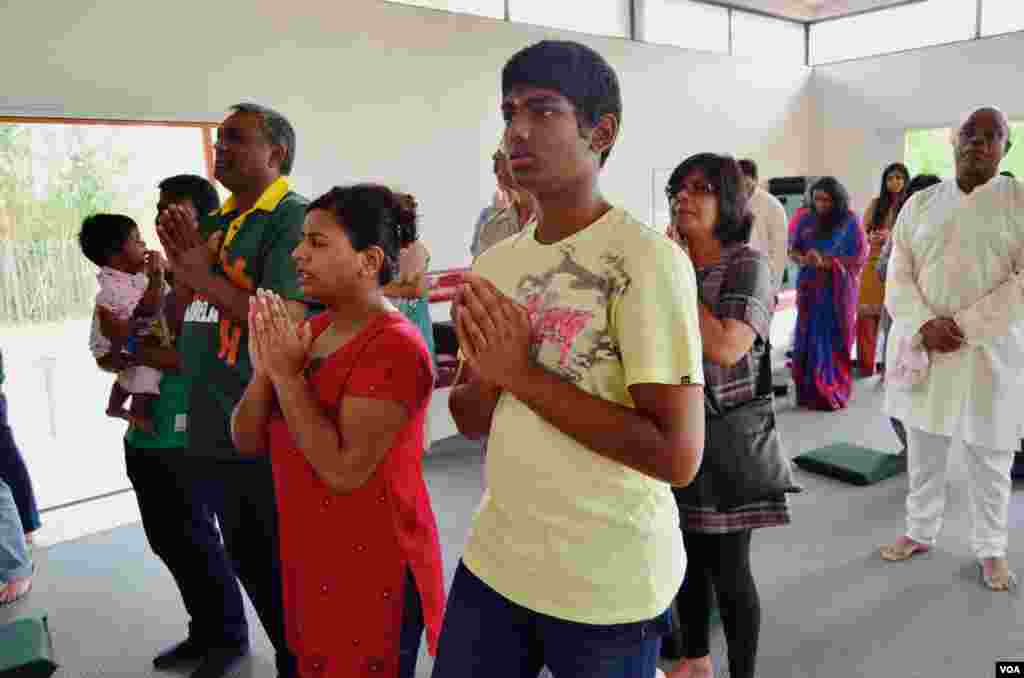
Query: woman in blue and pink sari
(831, 249)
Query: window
(52, 175)
(1001, 16)
(494, 9)
(932, 22)
(683, 23)
(928, 151)
(758, 36)
(597, 17)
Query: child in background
(129, 309)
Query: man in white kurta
(771, 228)
(956, 286)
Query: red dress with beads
(344, 557)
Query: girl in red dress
(339, 403)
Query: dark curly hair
(735, 221)
(103, 236)
(840, 211)
(372, 216)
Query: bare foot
(697, 667)
(903, 549)
(996, 574)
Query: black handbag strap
(763, 388)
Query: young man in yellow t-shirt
(583, 363)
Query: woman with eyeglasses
(831, 249)
(711, 221)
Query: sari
(827, 313)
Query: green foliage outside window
(928, 151)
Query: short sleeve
(394, 366)
(279, 272)
(654, 318)
(747, 293)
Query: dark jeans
(14, 472)
(175, 502)
(719, 564)
(486, 634)
(247, 509)
(412, 630)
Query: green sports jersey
(256, 252)
(169, 416)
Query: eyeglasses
(695, 189)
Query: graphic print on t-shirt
(573, 328)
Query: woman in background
(879, 219)
(830, 247)
(408, 292)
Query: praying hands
(493, 332)
(187, 253)
(278, 347)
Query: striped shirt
(738, 286)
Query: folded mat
(26, 649)
(852, 463)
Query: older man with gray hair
(254, 233)
(955, 290)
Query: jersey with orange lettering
(255, 252)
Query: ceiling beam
(808, 11)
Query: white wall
(387, 92)
(864, 107)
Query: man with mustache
(956, 290)
(256, 229)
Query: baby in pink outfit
(129, 309)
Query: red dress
(344, 557)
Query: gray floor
(831, 607)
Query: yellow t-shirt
(562, 530)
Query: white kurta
(771, 231)
(962, 256)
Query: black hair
(576, 71)
(723, 172)
(921, 182)
(276, 129)
(372, 216)
(885, 201)
(197, 189)
(748, 167)
(103, 236)
(840, 205)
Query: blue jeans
(14, 472)
(15, 562)
(485, 634)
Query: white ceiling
(809, 10)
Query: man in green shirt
(252, 237)
(176, 499)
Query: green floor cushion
(26, 650)
(852, 463)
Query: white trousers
(988, 491)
